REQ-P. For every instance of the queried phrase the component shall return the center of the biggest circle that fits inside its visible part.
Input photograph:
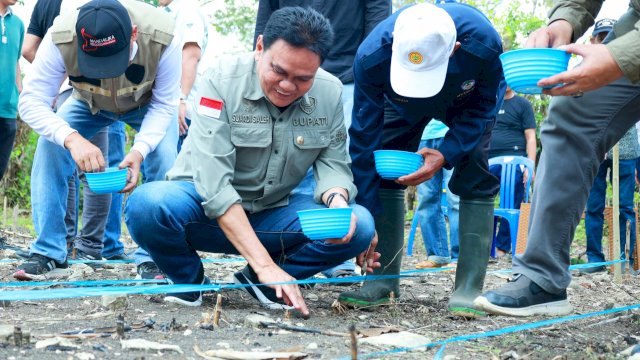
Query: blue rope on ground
(440, 353)
(67, 293)
(403, 274)
(588, 265)
(74, 292)
(498, 332)
(138, 281)
(82, 283)
(129, 261)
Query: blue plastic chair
(507, 208)
(416, 218)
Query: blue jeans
(182, 138)
(8, 129)
(166, 218)
(503, 238)
(594, 216)
(432, 222)
(112, 244)
(53, 167)
(111, 241)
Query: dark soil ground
(421, 309)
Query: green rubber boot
(390, 228)
(476, 235)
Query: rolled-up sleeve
(468, 124)
(332, 167)
(213, 156)
(626, 52)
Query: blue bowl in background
(392, 164)
(327, 223)
(523, 68)
(109, 181)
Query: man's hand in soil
(88, 156)
(433, 162)
(290, 293)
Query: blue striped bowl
(523, 68)
(327, 223)
(392, 164)
(109, 181)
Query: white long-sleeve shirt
(47, 72)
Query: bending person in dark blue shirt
(428, 61)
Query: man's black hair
(300, 28)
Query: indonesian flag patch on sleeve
(210, 107)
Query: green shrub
(15, 183)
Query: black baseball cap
(603, 25)
(104, 36)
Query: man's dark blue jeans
(166, 218)
(8, 130)
(594, 216)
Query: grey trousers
(95, 208)
(575, 137)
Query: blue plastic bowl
(110, 181)
(523, 68)
(392, 164)
(327, 223)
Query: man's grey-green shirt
(625, 49)
(250, 152)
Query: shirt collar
(134, 51)
(8, 12)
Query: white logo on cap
(415, 57)
(103, 42)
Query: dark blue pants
(8, 130)
(594, 215)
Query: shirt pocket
(252, 148)
(307, 145)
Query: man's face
(164, 2)
(8, 2)
(285, 72)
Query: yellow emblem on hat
(415, 57)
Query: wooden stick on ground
(269, 324)
(217, 310)
(617, 269)
(354, 342)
